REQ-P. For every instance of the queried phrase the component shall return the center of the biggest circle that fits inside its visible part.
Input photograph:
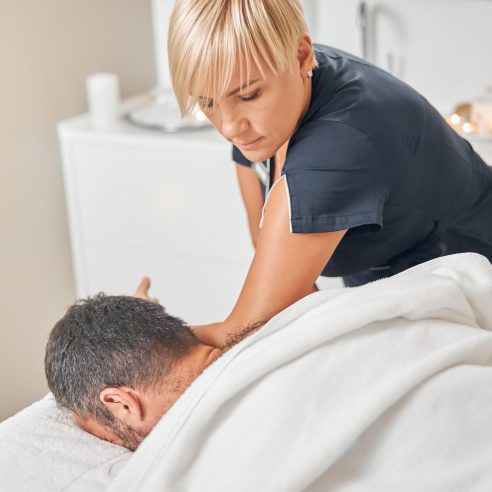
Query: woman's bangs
(211, 75)
(214, 68)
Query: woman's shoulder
(344, 87)
(328, 139)
(351, 91)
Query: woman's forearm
(227, 333)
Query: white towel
(385, 387)
(41, 450)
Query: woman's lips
(249, 145)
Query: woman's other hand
(142, 291)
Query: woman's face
(266, 112)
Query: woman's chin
(257, 155)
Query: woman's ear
(305, 55)
(124, 403)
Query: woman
(365, 179)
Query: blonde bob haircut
(207, 38)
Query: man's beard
(130, 437)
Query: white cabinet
(164, 205)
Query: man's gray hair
(111, 341)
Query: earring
(310, 73)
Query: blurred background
(86, 208)
(46, 50)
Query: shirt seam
(407, 134)
(364, 134)
(331, 218)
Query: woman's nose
(232, 125)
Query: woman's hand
(213, 334)
(142, 291)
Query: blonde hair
(207, 38)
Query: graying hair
(111, 341)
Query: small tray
(161, 113)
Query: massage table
(382, 387)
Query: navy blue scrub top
(372, 155)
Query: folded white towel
(41, 450)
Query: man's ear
(124, 403)
(305, 55)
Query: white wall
(440, 47)
(46, 50)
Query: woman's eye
(206, 104)
(252, 97)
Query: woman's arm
(283, 270)
(249, 185)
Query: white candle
(103, 97)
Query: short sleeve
(335, 180)
(238, 157)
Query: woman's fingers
(142, 291)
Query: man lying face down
(118, 363)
